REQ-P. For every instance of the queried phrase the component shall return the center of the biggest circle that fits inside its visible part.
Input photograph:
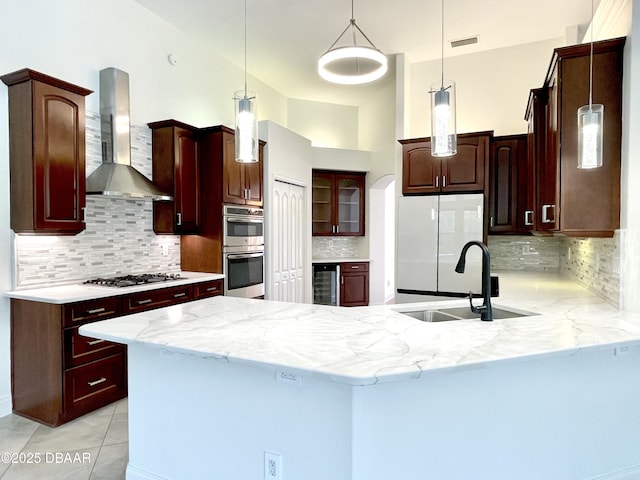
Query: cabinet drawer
(91, 310)
(79, 349)
(94, 384)
(207, 289)
(139, 302)
(354, 267)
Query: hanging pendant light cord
(245, 48)
(442, 46)
(591, 61)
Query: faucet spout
(485, 310)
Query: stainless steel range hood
(116, 177)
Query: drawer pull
(178, 295)
(95, 342)
(355, 266)
(143, 302)
(212, 289)
(96, 310)
(97, 382)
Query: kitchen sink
(461, 313)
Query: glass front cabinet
(338, 203)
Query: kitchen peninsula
(368, 393)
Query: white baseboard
(5, 405)
(135, 473)
(632, 473)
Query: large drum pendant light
(443, 111)
(352, 64)
(246, 137)
(590, 123)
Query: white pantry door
(287, 269)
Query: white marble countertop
(367, 345)
(340, 260)
(78, 292)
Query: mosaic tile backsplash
(118, 238)
(531, 253)
(592, 262)
(331, 247)
(595, 264)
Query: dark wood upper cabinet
(338, 203)
(537, 169)
(176, 169)
(509, 186)
(47, 153)
(243, 182)
(463, 172)
(223, 180)
(585, 202)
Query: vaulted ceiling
(286, 37)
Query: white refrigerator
(432, 230)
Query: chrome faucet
(485, 310)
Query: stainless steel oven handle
(245, 255)
(248, 220)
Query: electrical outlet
(288, 377)
(272, 466)
(165, 250)
(623, 350)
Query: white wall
(492, 88)
(288, 158)
(629, 220)
(326, 124)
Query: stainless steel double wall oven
(243, 251)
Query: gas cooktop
(131, 280)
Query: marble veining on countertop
(77, 292)
(367, 345)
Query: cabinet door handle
(82, 214)
(437, 182)
(528, 217)
(178, 295)
(545, 213)
(96, 310)
(145, 301)
(355, 266)
(491, 222)
(212, 289)
(179, 219)
(337, 228)
(342, 280)
(95, 342)
(444, 181)
(97, 382)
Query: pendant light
(246, 138)
(590, 123)
(352, 64)
(443, 111)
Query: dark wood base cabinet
(354, 284)
(56, 373)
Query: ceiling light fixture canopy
(352, 64)
(590, 123)
(246, 137)
(443, 111)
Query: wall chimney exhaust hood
(115, 176)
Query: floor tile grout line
(106, 432)
(25, 443)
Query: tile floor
(92, 447)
